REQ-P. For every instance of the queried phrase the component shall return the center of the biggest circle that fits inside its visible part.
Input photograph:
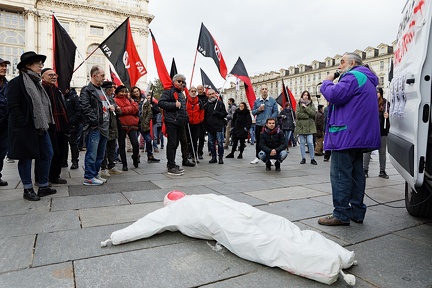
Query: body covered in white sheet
(247, 232)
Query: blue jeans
(309, 140)
(348, 184)
(279, 157)
(155, 134)
(288, 134)
(3, 146)
(212, 138)
(148, 142)
(43, 164)
(96, 144)
(252, 134)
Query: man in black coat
(214, 123)
(272, 144)
(173, 102)
(3, 116)
(75, 122)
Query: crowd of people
(38, 121)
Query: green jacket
(305, 124)
(146, 115)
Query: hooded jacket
(353, 120)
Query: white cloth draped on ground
(248, 232)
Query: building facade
(26, 25)
(309, 76)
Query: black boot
(221, 160)
(230, 155)
(188, 163)
(277, 165)
(240, 156)
(135, 160)
(213, 160)
(45, 191)
(74, 165)
(268, 165)
(29, 194)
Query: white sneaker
(255, 161)
(104, 173)
(114, 170)
(98, 177)
(92, 182)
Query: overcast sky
(268, 34)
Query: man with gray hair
(352, 129)
(173, 102)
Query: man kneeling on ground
(272, 144)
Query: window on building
(381, 65)
(65, 25)
(12, 39)
(130, 3)
(381, 81)
(97, 31)
(309, 78)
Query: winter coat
(241, 123)
(272, 139)
(195, 110)
(305, 124)
(91, 106)
(214, 116)
(23, 137)
(319, 123)
(384, 129)
(146, 115)
(73, 108)
(58, 106)
(270, 111)
(172, 114)
(3, 105)
(352, 116)
(285, 119)
(129, 113)
(231, 110)
(113, 129)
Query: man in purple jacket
(352, 129)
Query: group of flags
(120, 49)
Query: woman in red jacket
(195, 111)
(128, 124)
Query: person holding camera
(352, 129)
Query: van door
(410, 93)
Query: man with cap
(3, 116)
(30, 116)
(75, 123)
(95, 108)
(59, 132)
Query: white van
(410, 137)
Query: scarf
(41, 104)
(271, 132)
(306, 102)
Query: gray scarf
(41, 104)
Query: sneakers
(255, 161)
(268, 166)
(152, 159)
(3, 183)
(332, 221)
(179, 169)
(230, 155)
(303, 161)
(188, 163)
(29, 194)
(313, 162)
(175, 171)
(105, 173)
(277, 165)
(114, 170)
(45, 191)
(74, 166)
(125, 168)
(221, 160)
(200, 157)
(92, 182)
(98, 177)
(383, 174)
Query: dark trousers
(73, 143)
(201, 139)
(133, 137)
(3, 146)
(59, 141)
(184, 144)
(235, 143)
(194, 130)
(110, 154)
(257, 139)
(174, 133)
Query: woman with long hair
(241, 124)
(305, 127)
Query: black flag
(173, 69)
(207, 83)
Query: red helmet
(172, 196)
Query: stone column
(30, 32)
(80, 76)
(142, 40)
(45, 37)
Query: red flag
(239, 71)
(285, 96)
(114, 78)
(120, 50)
(208, 47)
(162, 71)
(64, 50)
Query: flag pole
(193, 67)
(85, 59)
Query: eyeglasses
(52, 75)
(181, 81)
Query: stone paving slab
(188, 264)
(135, 177)
(30, 224)
(181, 181)
(91, 201)
(53, 276)
(83, 190)
(284, 194)
(376, 224)
(275, 277)
(421, 233)
(117, 214)
(255, 185)
(394, 265)
(63, 246)
(16, 253)
(16, 207)
(245, 198)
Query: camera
(336, 74)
